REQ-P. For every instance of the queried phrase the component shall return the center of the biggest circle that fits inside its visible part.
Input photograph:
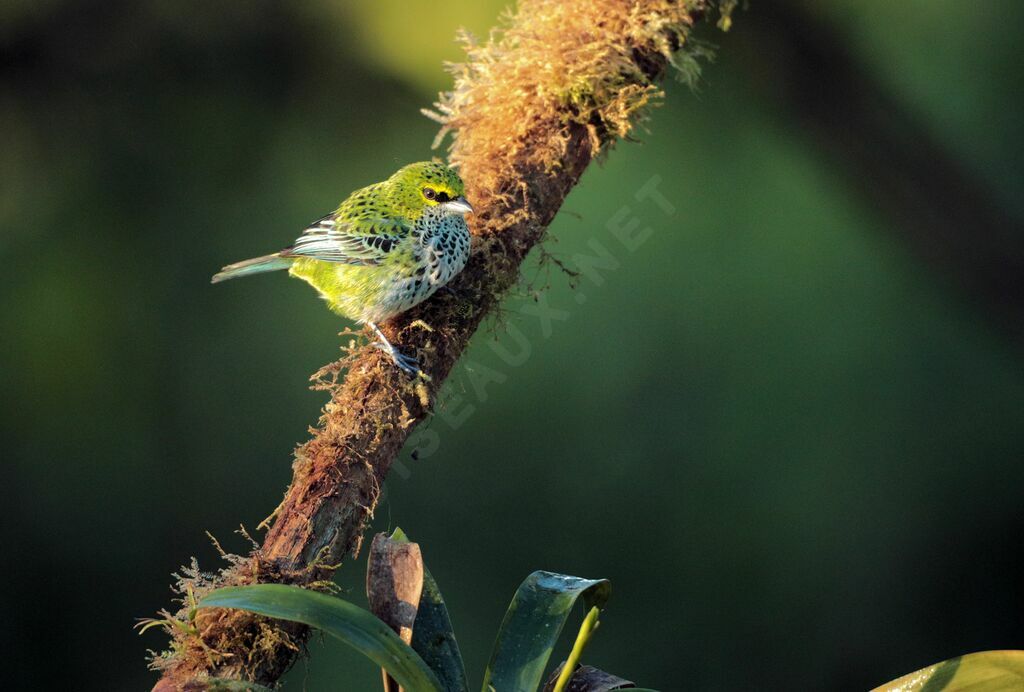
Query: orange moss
(551, 64)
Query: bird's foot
(407, 364)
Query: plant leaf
(531, 627)
(433, 637)
(434, 640)
(351, 624)
(590, 679)
(987, 671)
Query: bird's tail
(256, 265)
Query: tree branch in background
(530, 109)
(943, 212)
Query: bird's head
(428, 185)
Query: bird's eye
(429, 193)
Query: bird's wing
(348, 241)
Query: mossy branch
(550, 90)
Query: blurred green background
(788, 434)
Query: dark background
(787, 427)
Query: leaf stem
(587, 629)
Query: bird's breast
(443, 248)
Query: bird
(388, 247)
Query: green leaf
(987, 671)
(432, 635)
(532, 624)
(434, 640)
(351, 624)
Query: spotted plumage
(388, 247)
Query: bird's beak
(459, 205)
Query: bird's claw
(407, 364)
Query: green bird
(388, 247)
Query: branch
(530, 109)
